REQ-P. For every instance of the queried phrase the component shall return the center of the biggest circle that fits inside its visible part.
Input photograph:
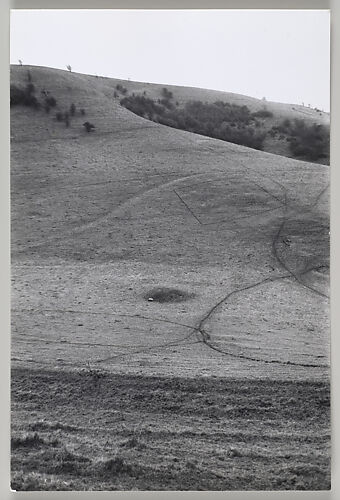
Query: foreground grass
(91, 431)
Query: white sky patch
(283, 55)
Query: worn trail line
(107, 215)
(296, 276)
(140, 348)
(206, 336)
(187, 207)
(291, 274)
(84, 135)
(286, 206)
(101, 313)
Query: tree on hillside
(69, 68)
(166, 93)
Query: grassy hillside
(268, 117)
(143, 250)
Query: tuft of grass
(234, 452)
(53, 426)
(115, 466)
(35, 481)
(93, 374)
(68, 462)
(28, 441)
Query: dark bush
(166, 93)
(51, 101)
(121, 89)
(142, 106)
(308, 142)
(88, 126)
(24, 97)
(72, 109)
(59, 116)
(311, 142)
(82, 112)
(17, 95)
(262, 113)
(166, 103)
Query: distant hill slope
(101, 219)
(100, 98)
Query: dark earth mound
(162, 294)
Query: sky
(282, 55)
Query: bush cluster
(309, 142)
(166, 93)
(263, 113)
(25, 97)
(121, 89)
(143, 106)
(220, 120)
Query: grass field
(170, 316)
(98, 431)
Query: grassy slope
(181, 95)
(99, 219)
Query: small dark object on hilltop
(88, 126)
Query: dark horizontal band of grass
(221, 396)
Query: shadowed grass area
(152, 433)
